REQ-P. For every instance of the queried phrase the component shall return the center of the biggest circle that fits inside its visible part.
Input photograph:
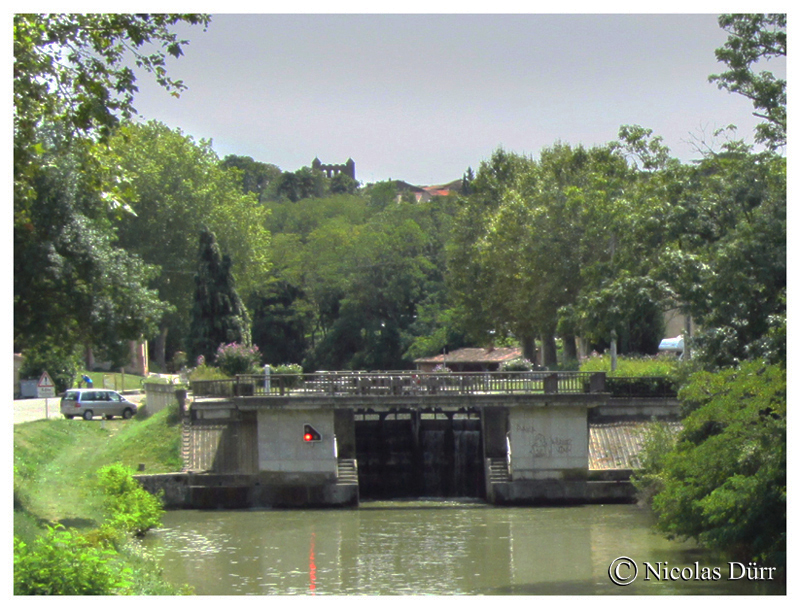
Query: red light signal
(310, 434)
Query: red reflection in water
(312, 568)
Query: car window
(89, 396)
(71, 396)
(115, 397)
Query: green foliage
(631, 366)
(286, 369)
(204, 372)
(218, 315)
(64, 562)
(177, 187)
(725, 482)
(131, 508)
(281, 321)
(518, 365)
(290, 373)
(235, 358)
(724, 261)
(256, 177)
(62, 363)
(753, 38)
(64, 244)
(538, 235)
(75, 70)
(342, 184)
(658, 442)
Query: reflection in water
(422, 547)
(312, 568)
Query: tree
(73, 83)
(256, 178)
(528, 237)
(752, 38)
(73, 69)
(177, 186)
(281, 321)
(725, 482)
(724, 257)
(342, 184)
(218, 315)
(73, 284)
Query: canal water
(435, 547)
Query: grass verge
(55, 466)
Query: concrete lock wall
(548, 442)
(159, 396)
(281, 447)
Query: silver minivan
(87, 403)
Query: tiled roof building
(470, 359)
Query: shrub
(206, 373)
(517, 365)
(131, 508)
(286, 369)
(64, 562)
(61, 364)
(235, 358)
(292, 372)
(724, 483)
(178, 362)
(658, 442)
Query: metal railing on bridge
(402, 383)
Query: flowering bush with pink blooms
(235, 358)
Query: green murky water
(434, 547)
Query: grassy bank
(660, 365)
(111, 380)
(55, 461)
(55, 466)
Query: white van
(672, 345)
(87, 403)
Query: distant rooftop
(474, 356)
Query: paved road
(33, 409)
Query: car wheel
(127, 413)
(88, 415)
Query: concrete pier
(415, 437)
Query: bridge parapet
(428, 383)
(401, 383)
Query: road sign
(46, 388)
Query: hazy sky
(422, 97)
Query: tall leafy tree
(727, 265)
(73, 284)
(753, 38)
(75, 70)
(218, 315)
(74, 80)
(177, 186)
(527, 235)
